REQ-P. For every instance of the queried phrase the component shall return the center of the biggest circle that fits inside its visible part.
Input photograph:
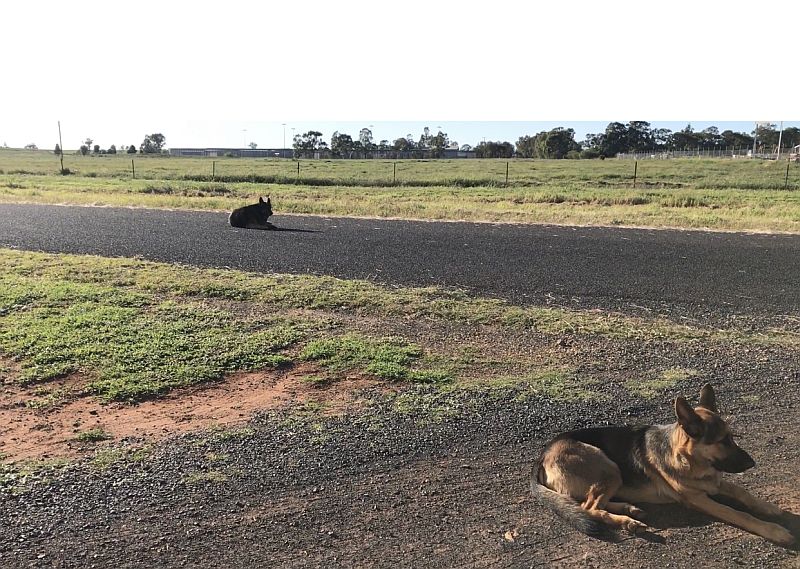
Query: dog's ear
(688, 419)
(269, 202)
(260, 199)
(708, 399)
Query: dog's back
(253, 216)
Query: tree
(112, 149)
(425, 138)
(438, 143)
(616, 139)
(609, 143)
(308, 143)
(526, 146)
(341, 145)
(494, 150)
(96, 149)
(555, 143)
(57, 151)
(685, 138)
(131, 149)
(88, 142)
(365, 137)
(736, 139)
(662, 137)
(640, 137)
(84, 150)
(152, 144)
(253, 145)
(465, 148)
(767, 135)
(791, 137)
(403, 145)
(31, 146)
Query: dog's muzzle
(737, 461)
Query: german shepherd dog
(590, 476)
(253, 216)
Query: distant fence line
(703, 153)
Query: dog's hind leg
(598, 506)
(585, 473)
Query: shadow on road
(297, 230)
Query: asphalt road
(699, 272)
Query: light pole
(292, 139)
(372, 134)
(283, 149)
(244, 138)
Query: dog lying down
(253, 216)
(592, 477)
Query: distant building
(233, 152)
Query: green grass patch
(134, 329)
(130, 344)
(391, 359)
(206, 477)
(655, 386)
(94, 435)
(106, 458)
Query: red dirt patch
(29, 433)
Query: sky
(214, 74)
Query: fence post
(394, 174)
(506, 174)
(133, 169)
(635, 168)
(213, 169)
(298, 168)
(786, 179)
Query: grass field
(132, 329)
(743, 194)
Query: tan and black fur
(591, 477)
(253, 216)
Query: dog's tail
(565, 507)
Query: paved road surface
(699, 272)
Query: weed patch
(655, 386)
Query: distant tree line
(152, 144)
(637, 136)
(345, 146)
(557, 143)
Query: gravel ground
(382, 488)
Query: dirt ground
(31, 432)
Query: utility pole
(283, 148)
(780, 139)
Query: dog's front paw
(779, 535)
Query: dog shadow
(295, 230)
(666, 516)
(289, 229)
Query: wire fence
(742, 152)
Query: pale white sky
(201, 73)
